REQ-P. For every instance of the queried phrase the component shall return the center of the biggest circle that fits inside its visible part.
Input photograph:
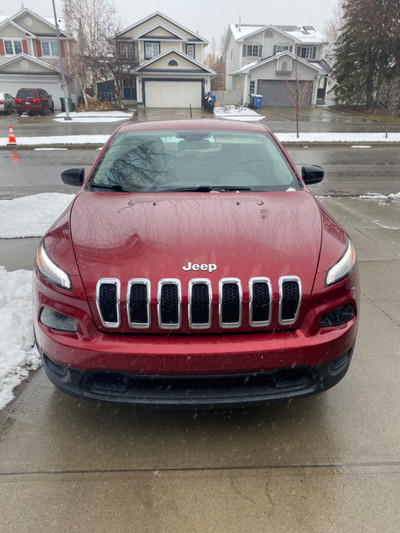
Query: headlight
(343, 267)
(50, 271)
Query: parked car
(7, 104)
(34, 101)
(195, 268)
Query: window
(151, 50)
(127, 50)
(282, 48)
(49, 48)
(252, 50)
(307, 52)
(190, 50)
(252, 87)
(13, 47)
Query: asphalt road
(328, 464)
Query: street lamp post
(64, 85)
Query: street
(328, 463)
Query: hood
(212, 235)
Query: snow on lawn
(240, 113)
(18, 356)
(95, 116)
(31, 216)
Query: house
(269, 61)
(29, 54)
(170, 71)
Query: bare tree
(332, 32)
(90, 22)
(299, 94)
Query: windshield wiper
(117, 188)
(206, 188)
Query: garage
(173, 93)
(12, 84)
(276, 93)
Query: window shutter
(62, 48)
(38, 49)
(24, 46)
(2, 51)
(274, 53)
(244, 50)
(314, 52)
(260, 50)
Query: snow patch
(31, 216)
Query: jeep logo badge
(195, 266)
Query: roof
(302, 34)
(315, 65)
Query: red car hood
(153, 236)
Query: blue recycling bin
(257, 99)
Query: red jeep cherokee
(195, 268)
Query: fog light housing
(338, 316)
(55, 320)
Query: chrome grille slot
(169, 304)
(200, 300)
(108, 302)
(138, 301)
(260, 301)
(230, 303)
(290, 296)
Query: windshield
(27, 94)
(162, 161)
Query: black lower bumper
(229, 390)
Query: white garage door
(173, 93)
(35, 82)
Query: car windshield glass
(203, 161)
(27, 94)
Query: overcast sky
(210, 18)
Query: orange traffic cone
(11, 138)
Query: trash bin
(71, 106)
(257, 101)
(214, 97)
(251, 100)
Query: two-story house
(268, 60)
(170, 71)
(29, 54)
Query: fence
(229, 97)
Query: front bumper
(228, 390)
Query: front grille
(169, 304)
(261, 307)
(289, 299)
(139, 303)
(108, 301)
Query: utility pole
(64, 85)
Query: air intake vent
(108, 302)
(230, 303)
(139, 303)
(290, 295)
(169, 304)
(260, 294)
(200, 299)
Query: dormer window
(252, 50)
(151, 50)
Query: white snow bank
(379, 196)
(94, 116)
(18, 356)
(31, 216)
(241, 113)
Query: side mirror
(312, 174)
(73, 176)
